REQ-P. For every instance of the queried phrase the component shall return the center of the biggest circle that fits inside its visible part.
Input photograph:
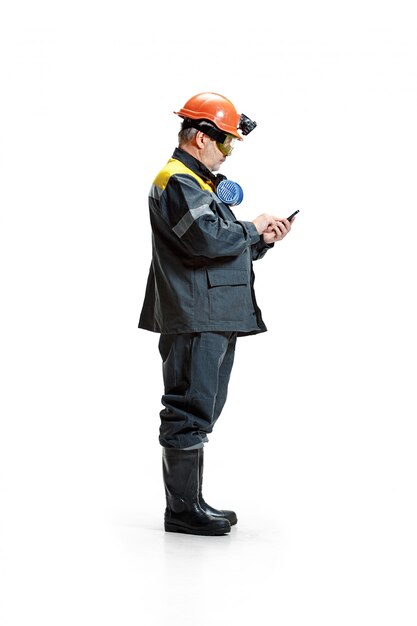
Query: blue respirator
(229, 192)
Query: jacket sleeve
(192, 217)
(260, 249)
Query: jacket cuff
(262, 245)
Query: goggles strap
(206, 127)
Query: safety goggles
(227, 145)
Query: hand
(264, 221)
(276, 231)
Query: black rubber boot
(183, 513)
(229, 515)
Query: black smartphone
(292, 215)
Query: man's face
(213, 157)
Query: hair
(186, 134)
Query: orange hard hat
(213, 107)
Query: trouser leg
(196, 370)
(224, 377)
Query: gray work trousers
(196, 371)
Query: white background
(316, 449)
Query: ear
(201, 139)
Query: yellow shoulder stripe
(176, 167)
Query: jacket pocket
(227, 294)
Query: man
(200, 298)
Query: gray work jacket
(201, 276)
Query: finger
(285, 223)
(281, 226)
(277, 233)
(285, 226)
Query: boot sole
(174, 528)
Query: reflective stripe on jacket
(201, 276)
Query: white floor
(309, 548)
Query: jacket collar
(197, 167)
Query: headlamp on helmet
(246, 125)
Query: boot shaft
(181, 478)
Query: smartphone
(292, 215)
